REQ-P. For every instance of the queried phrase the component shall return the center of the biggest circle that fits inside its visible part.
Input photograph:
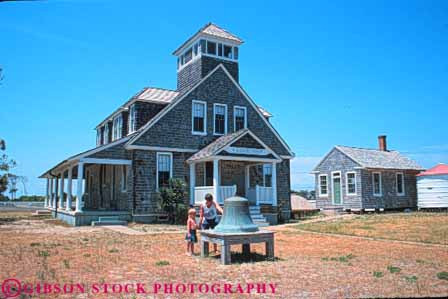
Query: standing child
(191, 231)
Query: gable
(172, 128)
(335, 160)
(247, 141)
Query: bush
(172, 201)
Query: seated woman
(207, 214)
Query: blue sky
(331, 72)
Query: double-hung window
(106, 134)
(124, 178)
(164, 169)
(267, 175)
(400, 183)
(350, 183)
(98, 137)
(323, 185)
(199, 116)
(239, 118)
(117, 127)
(376, 182)
(132, 119)
(219, 119)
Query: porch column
(68, 207)
(247, 179)
(48, 194)
(56, 188)
(216, 179)
(50, 202)
(274, 184)
(192, 182)
(79, 187)
(61, 192)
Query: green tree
(5, 166)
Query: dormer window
(98, 137)
(227, 52)
(117, 127)
(199, 117)
(106, 134)
(132, 119)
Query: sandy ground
(307, 265)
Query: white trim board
(160, 148)
(168, 108)
(105, 161)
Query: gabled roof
(372, 158)
(436, 170)
(222, 142)
(211, 30)
(147, 94)
(182, 96)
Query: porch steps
(109, 220)
(257, 217)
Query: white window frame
(234, 116)
(98, 137)
(106, 134)
(157, 166)
(373, 184)
(117, 127)
(332, 187)
(203, 133)
(132, 123)
(346, 183)
(402, 184)
(124, 172)
(319, 183)
(214, 119)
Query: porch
(91, 178)
(226, 177)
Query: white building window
(164, 169)
(132, 119)
(117, 127)
(267, 175)
(98, 137)
(350, 183)
(239, 118)
(124, 178)
(400, 183)
(323, 185)
(376, 184)
(199, 118)
(106, 134)
(219, 119)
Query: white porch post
(68, 206)
(55, 199)
(216, 179)
(48, 194)
(79, 187)
(274, 184)
(61, 192)
(192, 182)
(50, 203)
(247, 179)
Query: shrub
(172, 201)
(393, 269)
(442, 275)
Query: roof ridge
(368, 149)
(161, 88)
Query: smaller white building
(432, 187)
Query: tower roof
(211, 30)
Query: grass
(378, 274)
(417, 226)
(113, 250)
(411, 279)
(442, 275)
(162, 263)
(393, 269)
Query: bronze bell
(236, 217)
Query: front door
(337, 188)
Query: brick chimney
(382, 145)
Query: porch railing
(260, 195)
(223, 193)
